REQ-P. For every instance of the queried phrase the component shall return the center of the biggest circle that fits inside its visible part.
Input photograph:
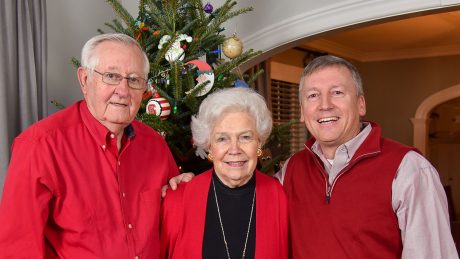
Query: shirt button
(130, 226)
(136, 257)
(123, 194)
(103, 147)
(112, 135)
(119, 162)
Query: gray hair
(328, 61)
(90, 60)
(230, 100)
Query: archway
(421, 118)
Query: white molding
(335, 48)
(421, 118)
(433, 100)
(450, 2)
(329, 17)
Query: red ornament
(158, 106)
(150, 91)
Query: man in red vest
(353, 193)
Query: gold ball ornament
(232, 47)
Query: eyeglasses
(134, 82)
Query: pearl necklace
(222, 226)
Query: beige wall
(70, 24)
(394, 90)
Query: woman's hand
(173, 182)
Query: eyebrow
(115, 69)
(239, 133)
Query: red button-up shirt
(69, 193)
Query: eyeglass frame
(103, 74)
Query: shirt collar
(100, 133)
(351, 146)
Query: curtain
(23, 98)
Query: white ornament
(159, 106)
(175, 52)
(205, 74)
(201, 153)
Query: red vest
(358, 221)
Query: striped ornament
(158, 106)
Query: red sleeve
(173, 169)
(284, 223)
(26, 196)
(171, 218)
(271, 219)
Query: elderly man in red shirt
(86, 181)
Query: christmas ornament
(241, 83)
(150, 91)
(208, 7)
(158, 106)
(232, 47)
(141, 27)
(201, 153)
(205, 74)
(175, 52)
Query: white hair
(230, 100)
(90, 60)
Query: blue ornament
(208, 8)
(241, 83)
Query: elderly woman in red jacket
(231, 210)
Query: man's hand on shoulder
(173, 182)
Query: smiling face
(233, 145)
(115, 106)
(331, 108)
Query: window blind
(285, 107)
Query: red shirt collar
(100, 133)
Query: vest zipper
(329, 187)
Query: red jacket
(184, 212)
(358, 221)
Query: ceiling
(423, 36)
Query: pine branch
(255, 76)
(156, 123)
(75, 62)
(121, 12)
(157, 18)
(112, 26)
(176, 72)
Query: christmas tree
(183, 40)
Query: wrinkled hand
(173, 182)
